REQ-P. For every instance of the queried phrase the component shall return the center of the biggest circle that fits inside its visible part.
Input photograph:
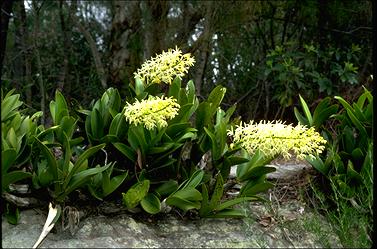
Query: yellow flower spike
(152, 113)
(276, 138)
(165, 67)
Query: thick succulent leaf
(307, 113)
(9, 105)
(81, 160)
(114, 183)
(53, 167)
(8, 157)
(174, 88)
(182, 204)
(151, 204)
(229, 213)
(167, 188)
(252, 188)
(205, 208)
(217, 192)
(126, 150)
(190, 89)
(136, 193)
(352, 116)
(80, 179)
(97, 124)
(256, 172)
(13, 177)
(194, 180)
(300, 118)
(319, 165)
(230, 203)
(139, 87)
(215, 97)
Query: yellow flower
(276, 138)
(153, 112)
(165, 67)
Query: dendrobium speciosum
(276, 138)
(153, 112)
(165, 67)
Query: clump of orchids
(271, 138)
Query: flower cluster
(165, 66)
(276, 138)
(153, 112)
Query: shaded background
(264, 52)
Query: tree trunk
(66, 26)
(36, 10)
(6, 9)
(95, 53)
(126, 48)
(204, 47)
(155, 20)
(22, 71)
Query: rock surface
(266, 225)
(259, 230)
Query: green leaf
(137, 140)
(252, 188)
(8, 157)
(97, 124)
(151, 204)
(235, 160)
(256, 172)
(352, 173)
(301, 119)
(135, 194)
(235, 201)
(182, 204)
(12, 214)
(163, 148)
(81, 160)
(318, 164)
(216, 153)
(53, 167)
(80, 179)
(115, 182)
(352, 116)
(167, 188)
(215, 97)
(190, 194)
(217, 192)
(67, 125)
(203, 115)
(174, 88)
(190, 89)
(8, 105)
(205, 208)
(126, 150)
(118, 126)
(61, 107)
(175, 129)
(243, 170)
(139, 87)
(306, 111)
(194, 180)
(229, 213)
(12, 139)
(13, 177)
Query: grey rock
(125, 230)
